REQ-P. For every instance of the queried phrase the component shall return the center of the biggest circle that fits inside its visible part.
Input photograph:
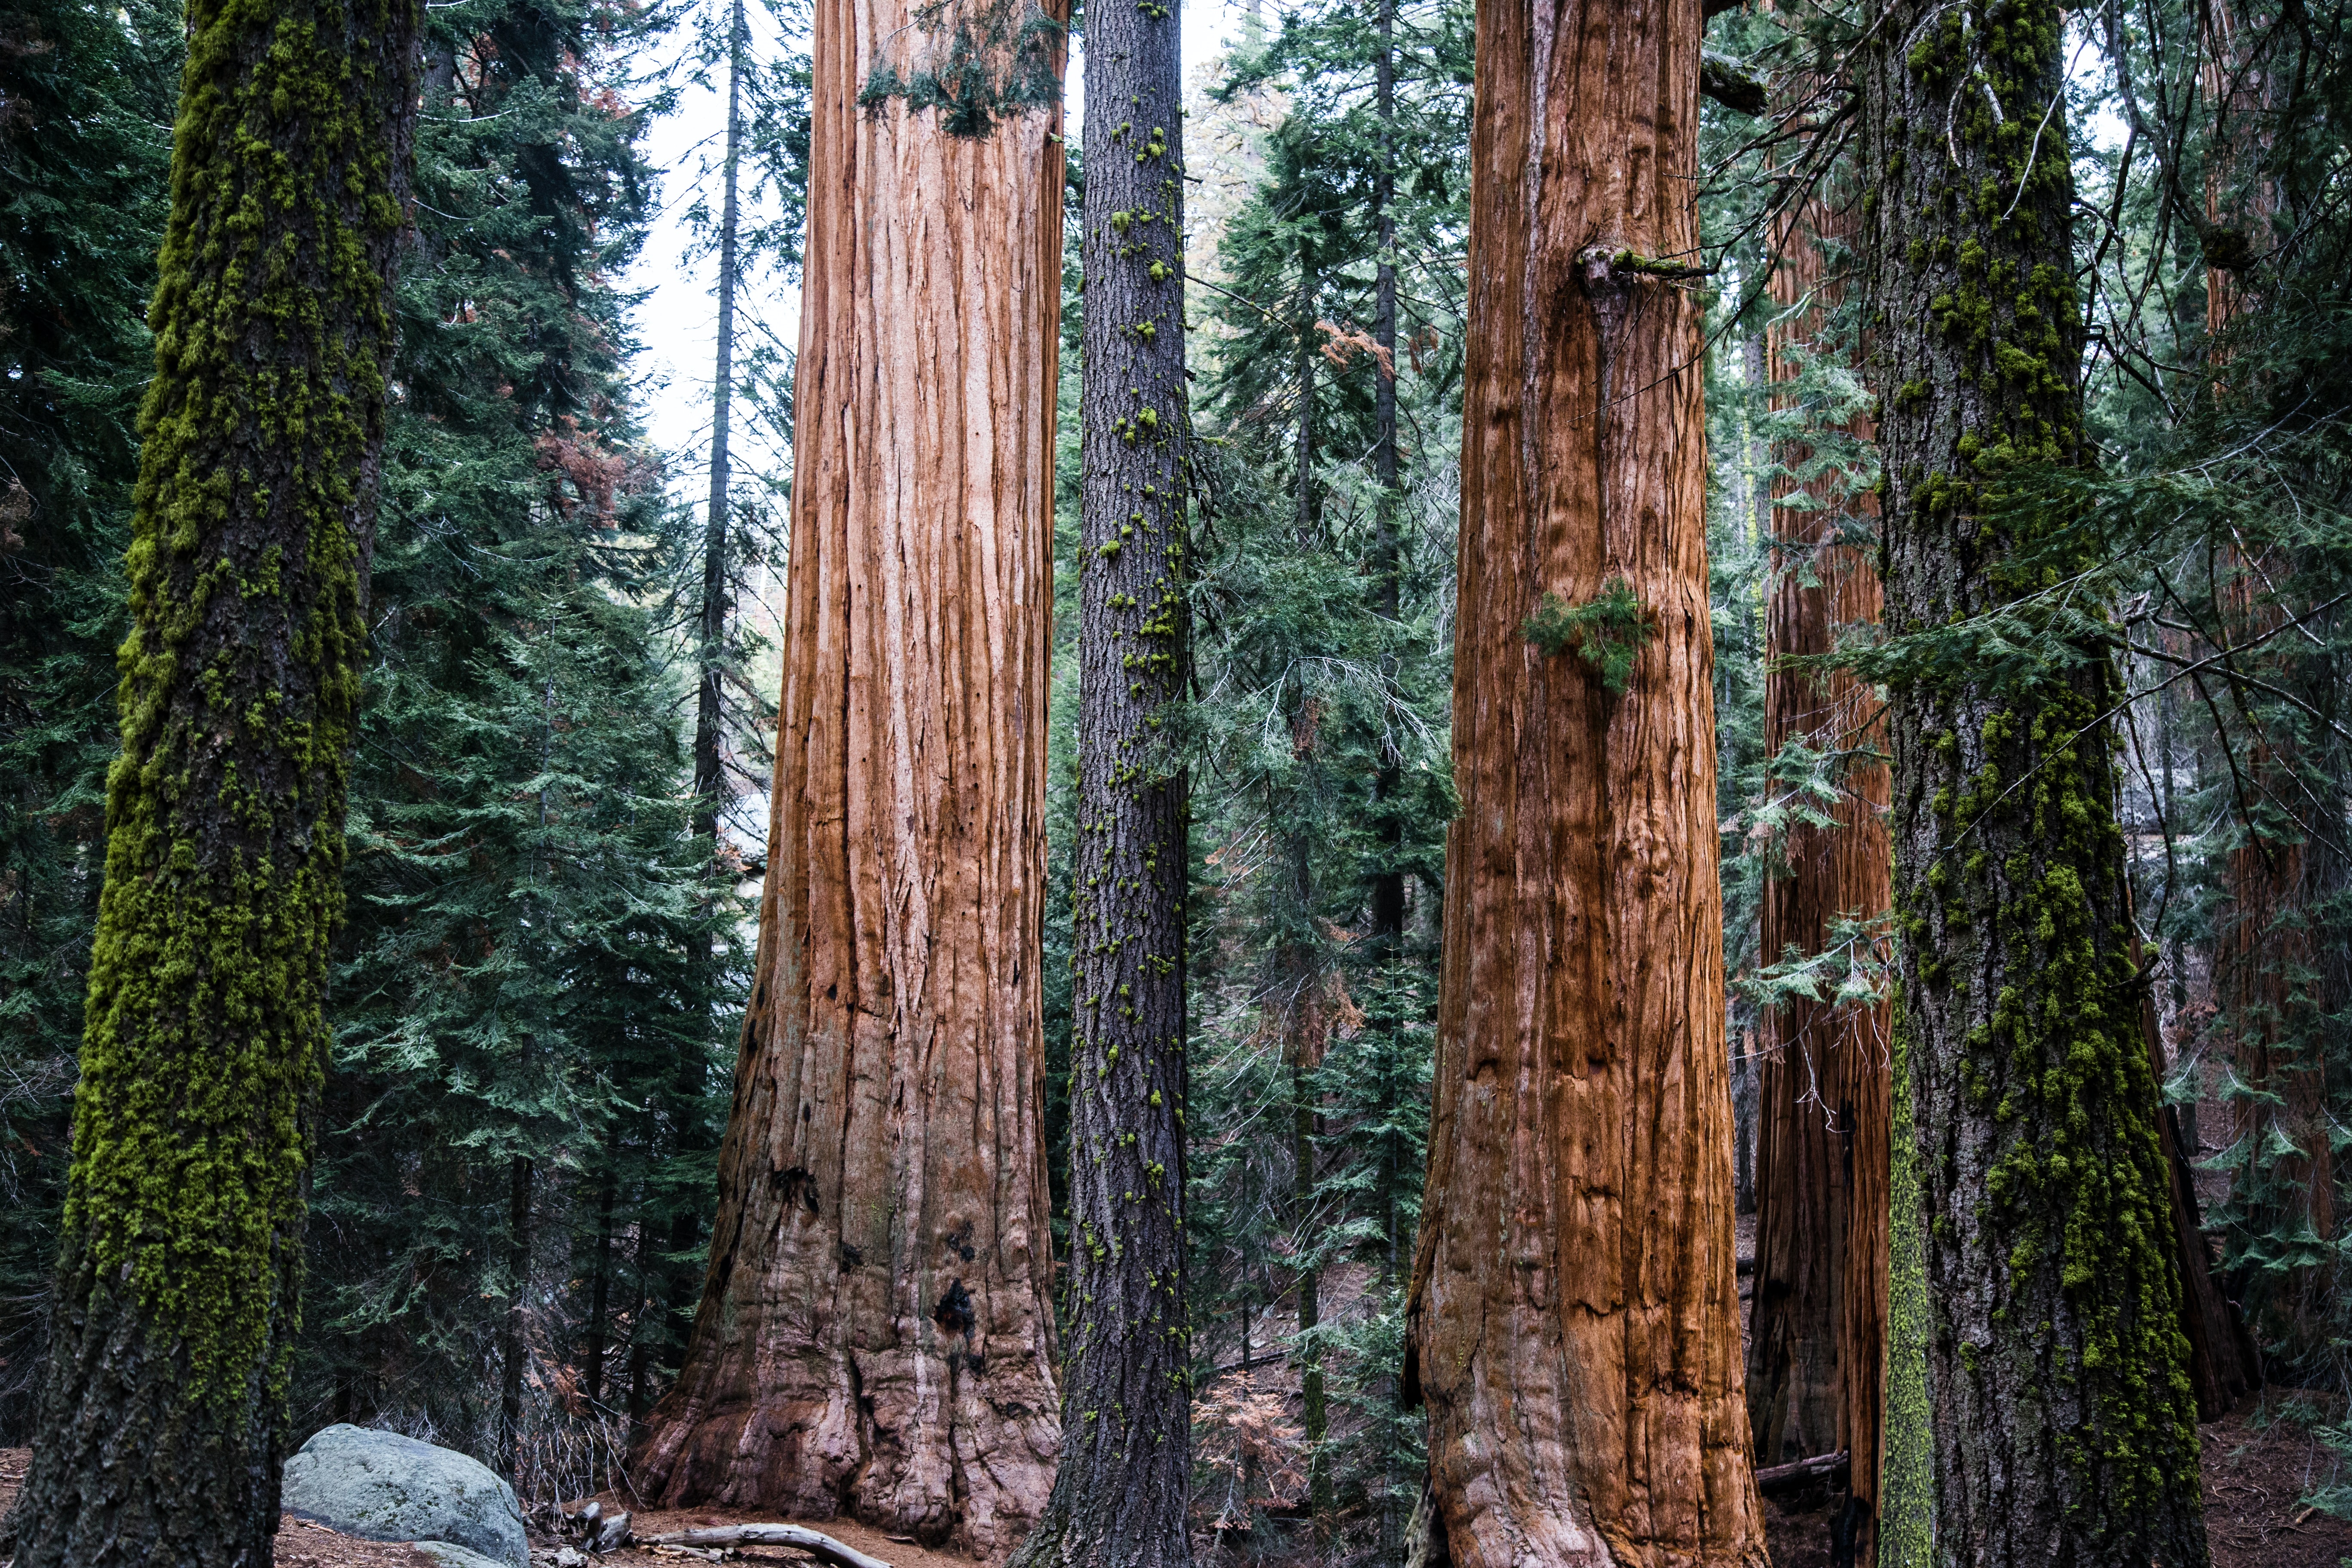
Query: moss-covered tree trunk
(1816, 1344)
(1121, 1497)
(875, 1331)
(163, 1418)
(1574, 1319)
(2056, 1377)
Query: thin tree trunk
(513, 1343)
(1316, 1418)
(648, 1322)
(1307, 1023)
(1574, 1319)
(689, 1130)
(1388, 879)
(599, 1294)
(1747, 1067)
(1817, 1340)
(876, 1332)
(2058, 1400)
(1121, 1497)
(161, 1432)
(710, 722)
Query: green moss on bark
(240, 682)
(225, 837)
(2043, 1310)
(1907, 1482)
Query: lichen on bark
(2060, 1404)
(162, 1416)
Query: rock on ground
(450, 1556)
(384, 1486)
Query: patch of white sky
(677, 318)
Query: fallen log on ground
(1797, 1472)
(813, 1541)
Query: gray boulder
(381, 1486)
(450, 1556)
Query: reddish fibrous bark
(1574, 1324)
(2259, 955)
(1817, 1339)
(876, 1334)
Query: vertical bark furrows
(163, 1420)
(1119, 1499)
(1575, 1328)
(2062, 1417)
(1817, 1344)
(875, 1333)
(2267, 974)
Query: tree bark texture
(2223, 1363)
(1574, 1319)
(514, 1334)
(163, 1419)
(2059, 1404)
(1817, 1338)
(1120, 1498)
(2267, 974)
(875, 1333)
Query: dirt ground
(2257, 1471)
(300, 1544)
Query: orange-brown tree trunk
(1573, 1317)
(2263, 958)
(1817, 1340)
(876, 1332)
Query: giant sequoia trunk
(1573, 1317)
(875, 1333)
(1816, 1342)
(2058, 1399)
(1120, 1497)
(163, 1418)
(2268, 977)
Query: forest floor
(2258, 1468)
(896, 1550)
(2257, 1472)
(300, 1544)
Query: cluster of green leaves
(2219, 531)
(1607, 633)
